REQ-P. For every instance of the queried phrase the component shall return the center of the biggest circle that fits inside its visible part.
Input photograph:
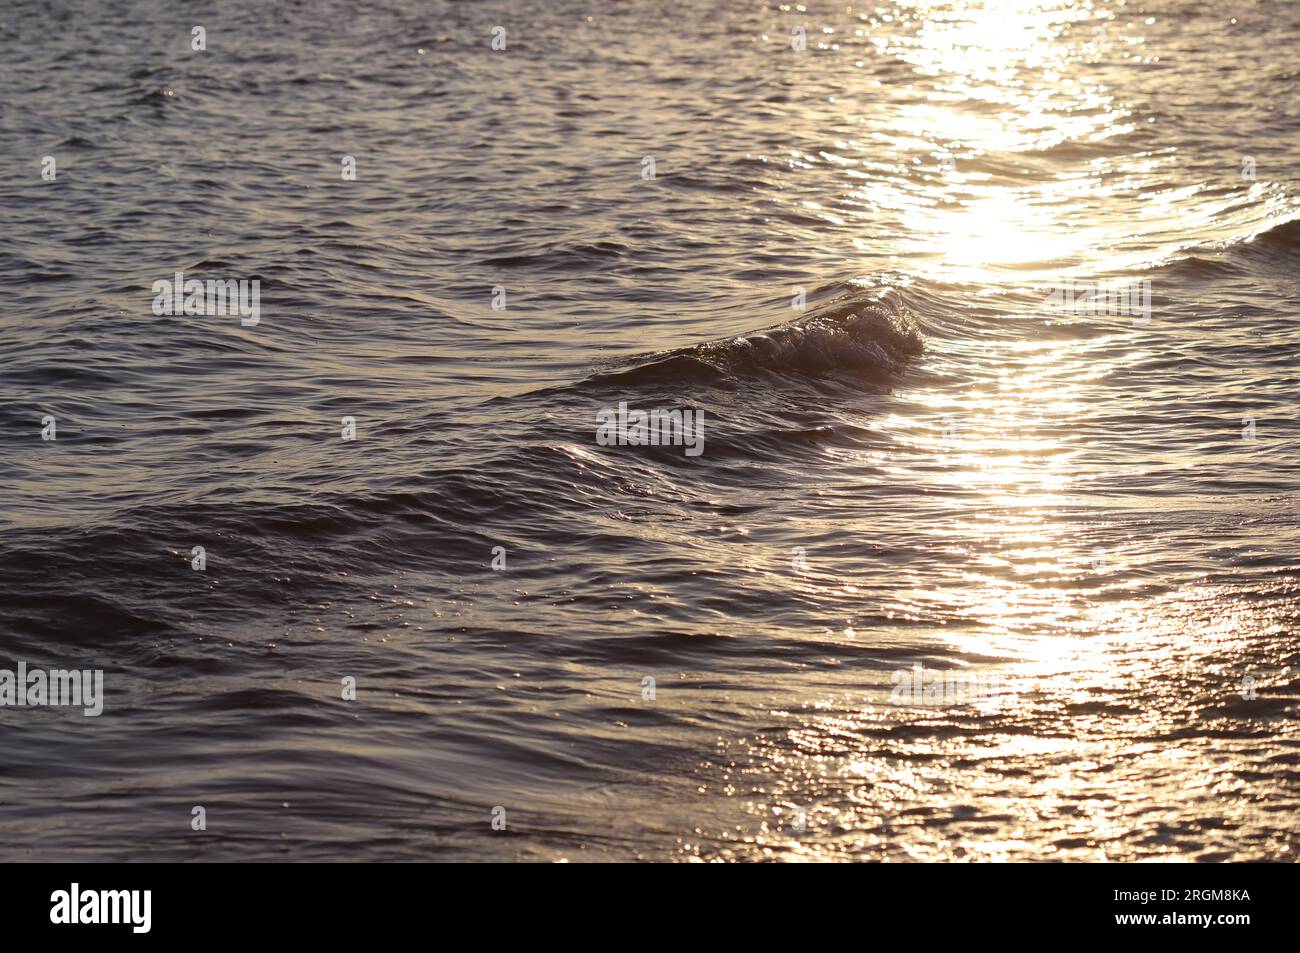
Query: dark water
(926, 465)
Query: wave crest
(872, 338)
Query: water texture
(842, 259)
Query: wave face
(918, 469)
(858, 338)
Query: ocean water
(849, 257)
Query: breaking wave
(870, 336)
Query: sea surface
(844, 255)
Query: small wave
(1269, 248)
(565, 258)
(869, 335)
(1285, 235)
(77, 142)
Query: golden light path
(1064, 617)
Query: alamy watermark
(653, 428)
(77, 688)
(213, 298)
(1116, 298)
(919, 686)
